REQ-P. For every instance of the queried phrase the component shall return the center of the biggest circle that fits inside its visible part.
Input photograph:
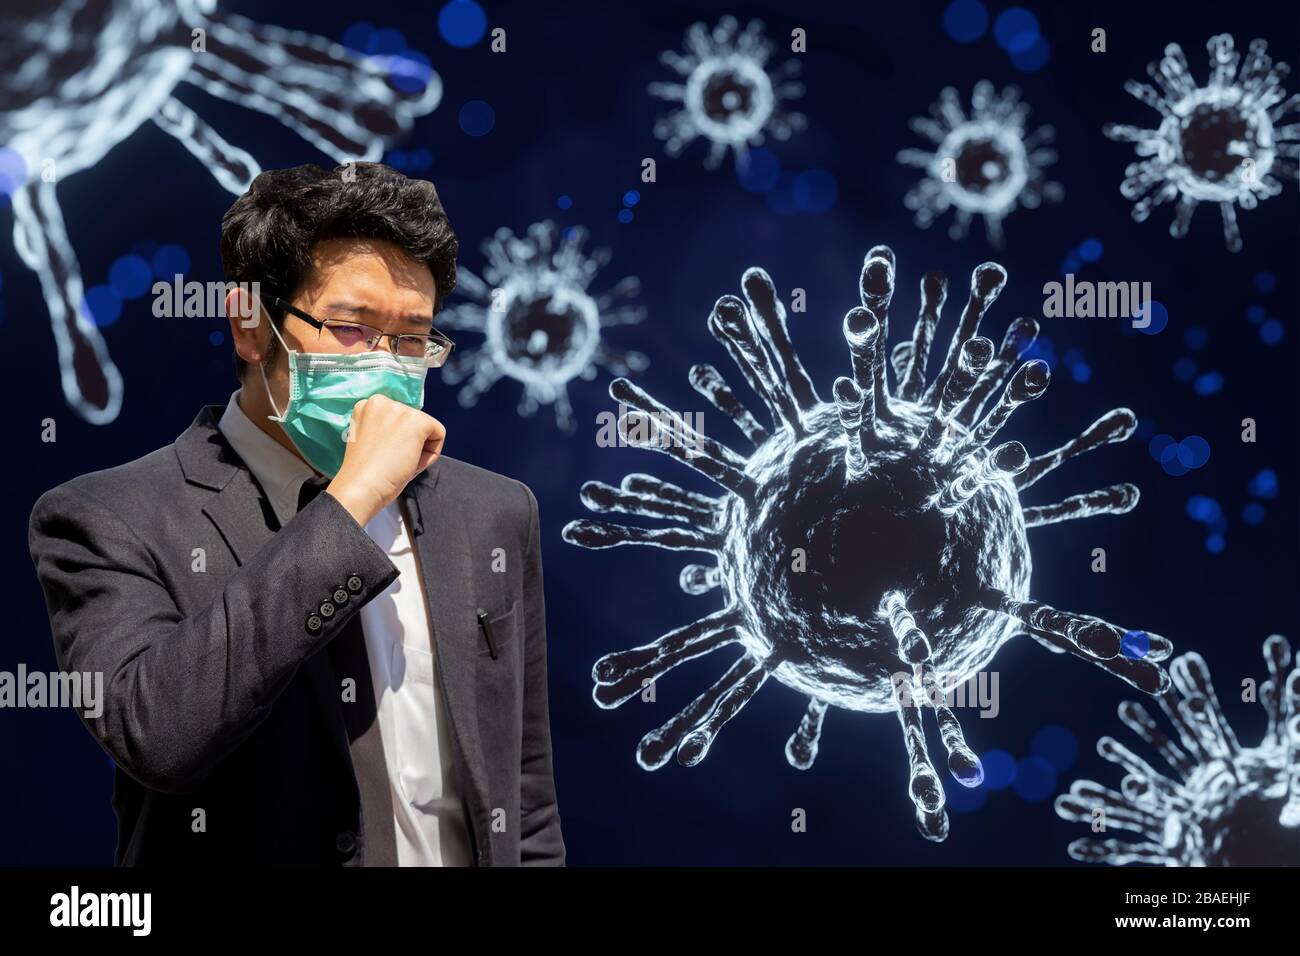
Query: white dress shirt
(429, 820)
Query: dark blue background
(573, 118)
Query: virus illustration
(1222, 804)
(81, 76)
(727, 93)
(984, 164)
(1215, 143)
(872, 550)
(542, 325)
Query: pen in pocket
(487, 632)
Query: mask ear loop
(261, 367)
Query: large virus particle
(1215, 143)
(727, 93)
(80, 76)
(983, 164)
(542, 325)
(1217, 803)
(872, 549)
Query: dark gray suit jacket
(217, 696)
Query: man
(323, 641)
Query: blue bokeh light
(1264, 484)
(1016, 30)
(13, 171)
(1158, 443)
(1090, 250)
(131, 276)
(1035, 779)
(384, 42)
(409, 71)
(1033, 59)
(965, 20)
(999, 769)
(1265, 282)
(356, 36)
(477, 118)
(1203, 508)
(1271, 332)
(1253, 513)
(169, 261)
(1196, 338)
(1135, 645)
(1209, 383)
(1055, 744)
(961, 799)
(1159, 319)
(757, 170)
(103, 305)
(462, 23)
(1171, 463)
(1193, 451)
(816, 190)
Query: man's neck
(257, 412)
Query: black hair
(268, 234)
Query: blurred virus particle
(872, 550)
(78, 77)
(1221, 804)
(1215, 143)
(542, 325)
(983, 164)
(727, 93)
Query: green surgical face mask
(323, 388)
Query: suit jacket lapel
(246, 523)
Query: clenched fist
(388, 444)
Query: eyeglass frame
(433, 335)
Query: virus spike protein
(863, 563)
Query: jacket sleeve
(182, 692)
(540, 843)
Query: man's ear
(247, 317)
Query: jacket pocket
(497, 632)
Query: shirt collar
(277, 470)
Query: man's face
(358, 281)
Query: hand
(388, 444)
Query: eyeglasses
(434, 347)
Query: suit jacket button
(341, 596)
(346, 842)
(354, 584)
(314, 624)
(326, 610)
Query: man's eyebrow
(414, 318)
